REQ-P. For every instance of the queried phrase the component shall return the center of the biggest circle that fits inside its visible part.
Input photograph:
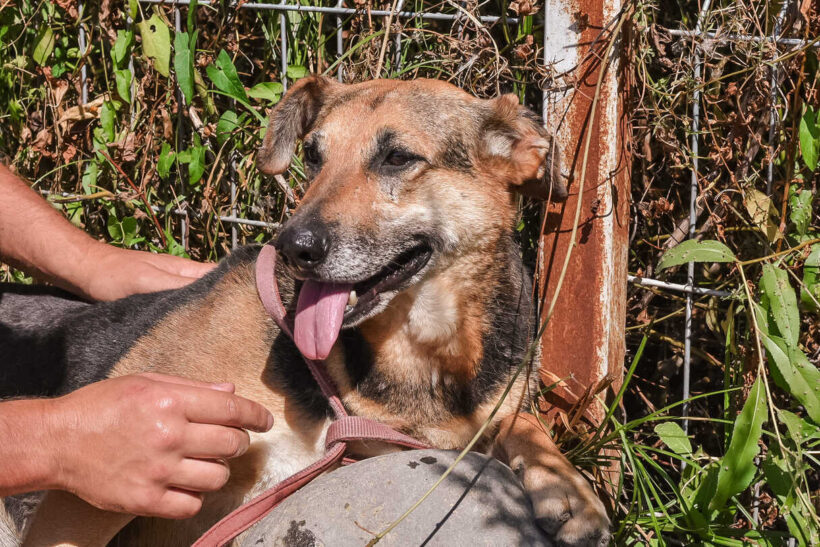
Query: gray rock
(480, 503)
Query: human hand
(150, 444)
(109, 273)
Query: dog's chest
(279, 453)
(272, 457)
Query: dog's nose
(304, 247)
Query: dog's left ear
(292, 119)
(529, 157)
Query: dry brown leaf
(77, 113)
(525, 50)
(70, 6)
(59, 90)
(763, 213)
(128, 147)
(105, 19)
(523, 7)
(69, 153)
(42, 142)
(805, 9)
(167, 126)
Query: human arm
(145, 444)
(36, 238)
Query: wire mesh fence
(249, 213)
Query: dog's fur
(394, 166)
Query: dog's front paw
(565, 505)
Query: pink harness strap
(344, 429)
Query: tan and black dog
(406, 230)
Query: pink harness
(344, 429)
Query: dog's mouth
(324, 307)
(365, 294)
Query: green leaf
(184, 47)
(58, 69)
(191, 21)
(44, 45)
(108, 116)
(74, 213)
(737, 468)
(810, 138)
(799, 429)
(156, 43)
(133, 6)
(129, 231)
(800, 205)
(270, 91)
(809, 397)
(793, 373)
(674, 437)
(172, 245)
(114, 227)
(89, 180)
(166, 160)
(774, 284)
(196, 166)
(696, 251)
(123, 232)
(223, 75)
(226, 125)
(122, 77)
(119, 53)
(811, 279)
(761, 312)
(781, 476)
(184, 156)
(296, 72)
(708, 478)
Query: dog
(408, 215)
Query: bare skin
(144, 444)
(39, 240)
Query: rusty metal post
(584, 340)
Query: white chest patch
(286, 453)
(434, 315)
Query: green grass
(747, 472)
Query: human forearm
(26, 456)
(38, 239)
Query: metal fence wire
(698, 36)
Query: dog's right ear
(522, 151)
(290, 120)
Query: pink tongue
(319, 313)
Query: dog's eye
(312, 155)
(399, 158)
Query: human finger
(177, 504)
(153, 279)
(177, 265)
(214, 441)
(170, 379)
(220, 408)
(200, 475)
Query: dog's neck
(436, 329)
(443, 349)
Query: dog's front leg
(564, 503)
(66, 520)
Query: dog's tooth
(353, 299)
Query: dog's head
(405, 177)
